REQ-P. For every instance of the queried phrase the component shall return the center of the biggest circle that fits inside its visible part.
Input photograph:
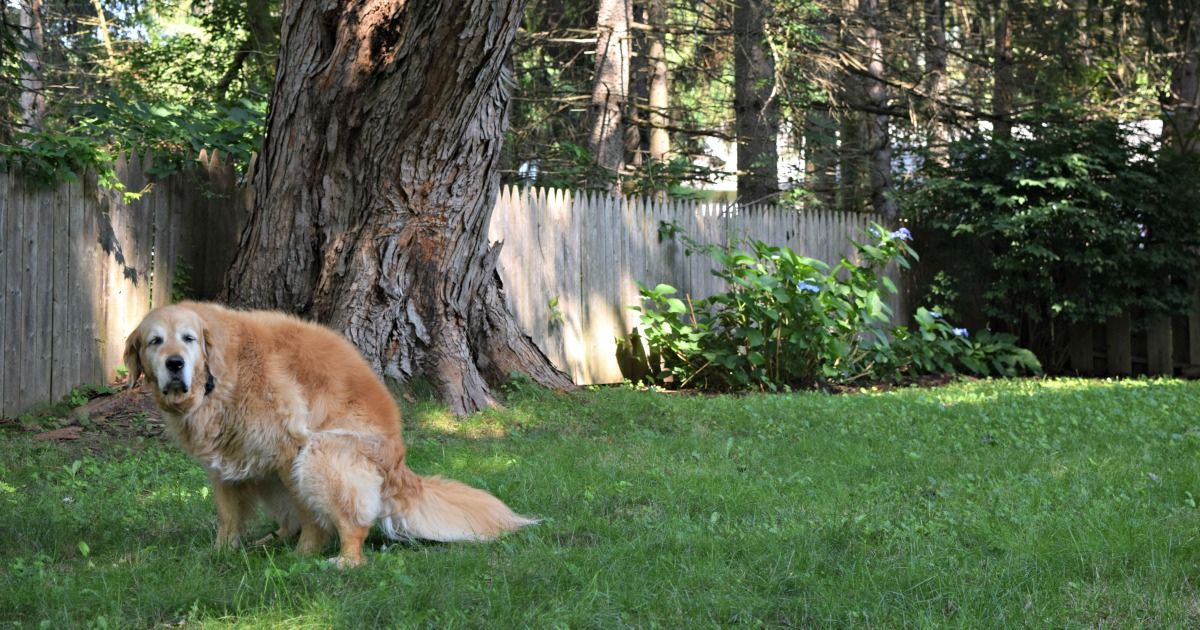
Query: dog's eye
(154, 341)
(189, 338)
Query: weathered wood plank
(6, 258)
(163, 261)
(35, 378)
(1120, 353)
(14, 315)
(1082, 349)
(75, 303)
(1194, 326)
(94, 251)
(1159, 347)
(62, 378)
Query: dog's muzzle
(176, 382)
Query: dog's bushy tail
(435, 508)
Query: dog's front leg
(233, 507)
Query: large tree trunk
(879, 141)
(820, 154)
(31, 101)
(659, 101)
(755, 105)
(610, 90)
(376, 183)
(1181, 111)
(1002, 86)
(935, 75)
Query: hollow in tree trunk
(375, 187)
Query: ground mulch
(127, 417)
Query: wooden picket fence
(1163, 346)
(80, 265)
(571, 262)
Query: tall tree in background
(377, 181)
(260, 43)
(879, 141)
(935, 74)
(852, 150)
(660, 94)
(1181, 106)
(610, 89)
(32, 102)
(755, 103)
(1002, 80)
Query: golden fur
(287, 415)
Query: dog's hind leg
(342, 485)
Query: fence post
(1158, 347)
(1120, 355)
(1194, 328)
(1081, 348)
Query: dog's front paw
(227, 542)
(342, 562)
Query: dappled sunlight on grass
(434, 419)
(473, 464)
(439, 421)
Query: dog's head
(174, 346)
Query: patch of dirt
(127, 417)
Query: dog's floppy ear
(214, 350)
(133, 357)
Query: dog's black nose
(174, 363)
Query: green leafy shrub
(937, 347)
(1067, 222)
(790, 321)
(96, 132)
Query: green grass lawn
(985, 504)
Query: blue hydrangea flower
(902, 234)
(807, 286)
(935, 314)
(960, 332)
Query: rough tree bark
(756, 108)
(31, 100)
(610, 89)
(1181, 109)
(376, 183)
(659, 101)
(879, 141)
(935, 75)
(852, 150)
(820, 153)
(1002, 86)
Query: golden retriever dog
(287, 415)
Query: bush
(790, 321)
(937, 347)
(1075, 221)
